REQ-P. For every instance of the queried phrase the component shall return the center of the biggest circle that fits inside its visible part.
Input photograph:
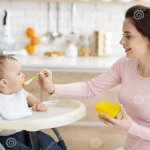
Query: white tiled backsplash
(89, 17)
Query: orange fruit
(30, 32)
(35, 40)
(30, 49)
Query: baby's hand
(39, 107)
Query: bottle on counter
(71, 49)
(84, 46)
(99, 43)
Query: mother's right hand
(45, 81)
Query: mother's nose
(122, 41)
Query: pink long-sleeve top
(134, 95)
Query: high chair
(59, 114)
(35, 145)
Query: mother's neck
(144, 65)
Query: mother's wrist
(52, 91)
(130, 126)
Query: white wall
(90, 17)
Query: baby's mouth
(127, 50)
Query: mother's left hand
(124, 123)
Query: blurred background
(82, 20)
(78, 40)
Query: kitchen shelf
(79, 64)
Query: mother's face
(135, 44)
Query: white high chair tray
(59, 114)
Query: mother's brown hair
(140, 17)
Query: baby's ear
(3, 83)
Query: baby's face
(13, 74)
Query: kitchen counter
(79, 64)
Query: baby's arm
(35, 103)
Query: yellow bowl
(111, 109)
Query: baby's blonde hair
(3, 60)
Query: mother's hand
(45, 81)
(123, 123)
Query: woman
(132, 72)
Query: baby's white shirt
(14, 106)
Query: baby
(14, 100)
(15, 103)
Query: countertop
(78, 64)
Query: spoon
(48, 37)
(73, 14)
(57, 34)
(30, 80)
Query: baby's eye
(19, 73)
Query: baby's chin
(19, 89)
